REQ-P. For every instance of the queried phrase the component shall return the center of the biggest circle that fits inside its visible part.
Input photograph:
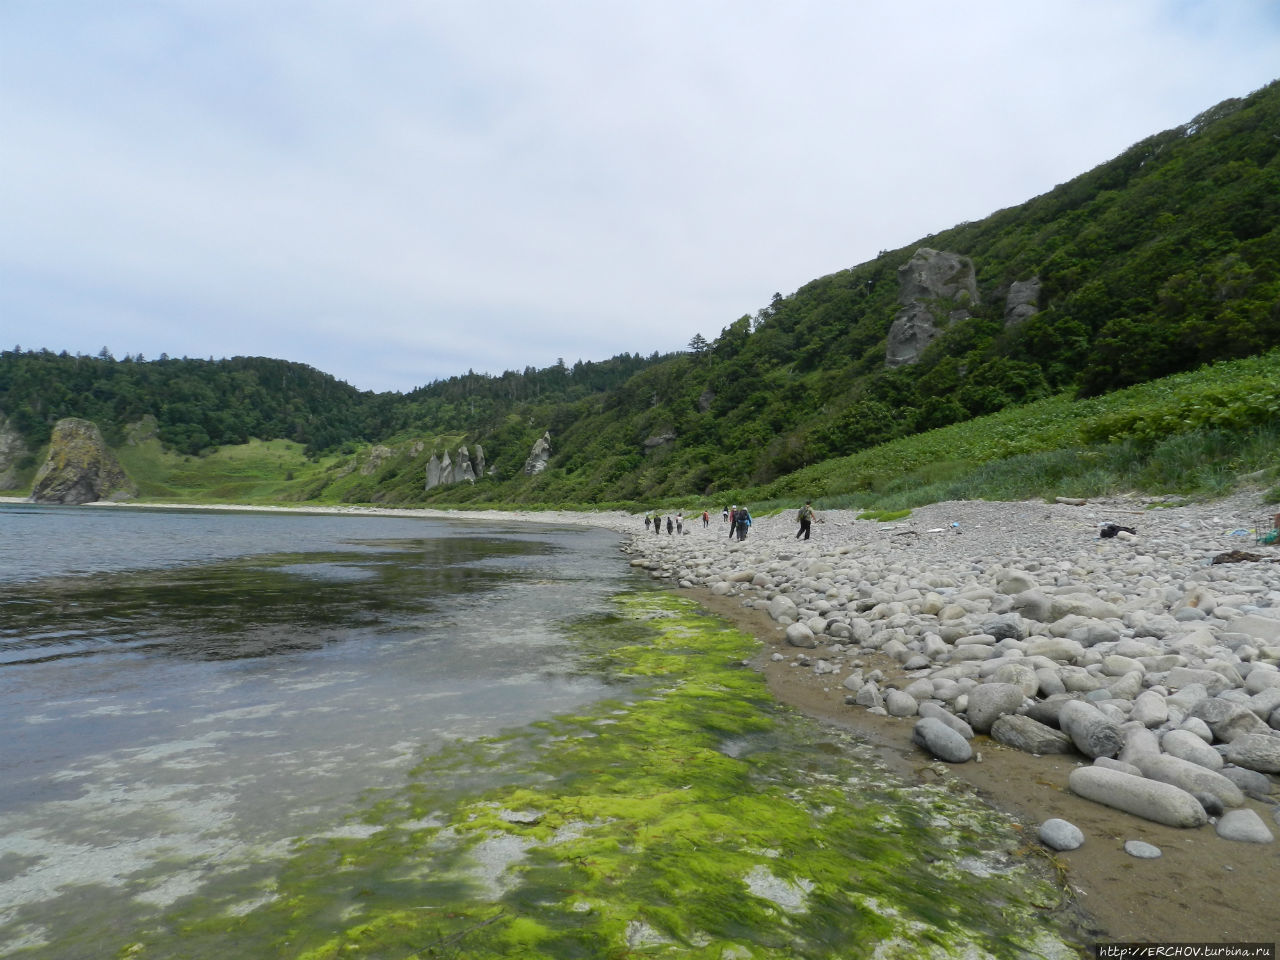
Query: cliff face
(80, 468)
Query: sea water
(182, 693)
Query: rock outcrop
(935, 288)
(539, 456)
(457, 468)
(12, 450)
(1023, 301)
(80, 468)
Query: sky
(399, 191)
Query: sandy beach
(1203, 888)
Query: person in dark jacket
(742, 522)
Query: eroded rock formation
(80, 468)
(936, 288)
(539, 455)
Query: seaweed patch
(689, 817)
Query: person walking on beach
(805, 516)
(679, 523)
(724, 517)
(647, 520)
(743, 521)
(706, 519)
(670, 525)
(733, 520)
(657, 523)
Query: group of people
(738, 518)
(675, 523)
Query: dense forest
(1156, 262)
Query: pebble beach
(1119, 692)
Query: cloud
(397, 192)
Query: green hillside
(1153, 264)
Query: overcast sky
(397, 191)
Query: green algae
(689, 817)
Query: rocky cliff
(80, 468)
(935, 289)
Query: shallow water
(168, 719)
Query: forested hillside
(1162, 259)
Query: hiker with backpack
(805, 516)
(742, 520)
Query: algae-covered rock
(80, 468)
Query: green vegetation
(691, 818)
(1153, 264)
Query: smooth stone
(941, 741)
(990, 701)
(783, 606)
(936, 712)
(1149, 799)
(1245, 826)
(800, 635)
(900, 704)
(1142, 850)
(1191, 777)
(1061, 835)
(1185, 745)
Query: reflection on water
(169, 720)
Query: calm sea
(183, 692)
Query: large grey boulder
(1255, 751)
(799, 635)
(989, 701)
(940, 740)
(782, 607)
(1030, 736)
(1228, 720)
(80, 468)
(1149, 799)
(1089, 729)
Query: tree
(699, 344)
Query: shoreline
(1204, 888)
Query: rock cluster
(1159, 669)
(462, 468)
